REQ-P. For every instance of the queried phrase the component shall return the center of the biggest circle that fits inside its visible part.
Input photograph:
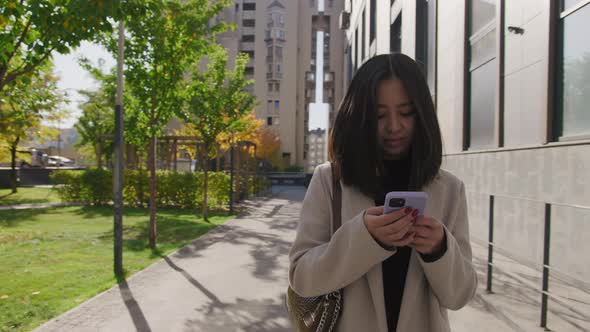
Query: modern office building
(511, 84)
(280, 37)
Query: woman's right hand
(393, 229)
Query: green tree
(217, 101)
(97, 118)
(25, 103)
(96, 122)
(30, 31)
(163, 38)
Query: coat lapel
(353, 202)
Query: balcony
(249, 15)
(274, 76)
(247, 46)
(248, 31)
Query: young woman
(399, 271)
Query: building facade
(511, 85)
(318, 148)
(280, 38)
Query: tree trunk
(13, 178)
(205, 183)
(152, 167)
(140, 192)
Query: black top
(395, 267)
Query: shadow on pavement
(516, 289)
(215, 300)
(137, 315)
(247, 315)
(265, 248)
(266, 315)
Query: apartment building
(511, 84)
(280, 37)
(318, 148)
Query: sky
(73, 78)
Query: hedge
(174, 189)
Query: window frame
(471, 38)
(556, 122)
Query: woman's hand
(393, 229)
(430, 235)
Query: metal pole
(231, 175)
(545, 296)
(490, 245)
(118, 167)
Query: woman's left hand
(430, 235)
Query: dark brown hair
(354, 146)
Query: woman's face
(396, 118)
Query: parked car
(59, 161)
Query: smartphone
(396, 200)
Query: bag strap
(336, 200)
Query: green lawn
(51, 260)
(28, 195)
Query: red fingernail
(415, 213)
(408, 210)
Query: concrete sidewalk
(234, 279)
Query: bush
(97, 186)
(294, 169)
(136, 188)
(174, 189)
(68, 184)
(218, 189)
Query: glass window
(249, 23)
(483, 105)
(574, 66)
(277, 87)
(431, 48)
(356, 49)
(483, 49)
(363, 34)
(269, 106)
(269, 87)
(269, 51)
(279, 52)
(269, 121)
(373, 20)
(483, 74)
(395, 35)
(250, 6)
(483, 12)
(249, 71)
(277, 105)
(248, 38)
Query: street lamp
(118, 166)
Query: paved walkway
(37, 206)
(234, 279)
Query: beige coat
(351, 259)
